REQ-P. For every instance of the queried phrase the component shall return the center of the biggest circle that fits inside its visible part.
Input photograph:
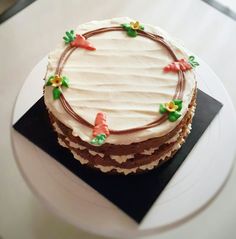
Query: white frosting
(123, 78)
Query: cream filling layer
(125, 171)
(122, 78)
(118, 158)
(76, 156)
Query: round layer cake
(120, 94)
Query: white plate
(195, 183)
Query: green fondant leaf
(65, 81)
(125, 26)
(179, 104)
(94, 141)
(68, 34)
(131, 32)
(177, 101)
(191, 58)
(56, 93)
(66, 39)
(141, 27)
(102, 136)
(195, 63)
(192, 61)
(50, 77)
(49, 81)
(173, 116)
(162, 109)
(99, 139)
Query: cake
(120, 95)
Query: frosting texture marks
(123, 78)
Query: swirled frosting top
(123, 78)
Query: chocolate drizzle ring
(159, 39)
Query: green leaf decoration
(162, 109)
(179, 104)
(61, 81)
(56, 93)
(66, 39)
(192, 62)
(131, 32)
(191, 58)
(173, 116)
(49, 81)
(141, 27)
(125, 26)
(69, 37)
(94, 141)
(132, 28)
(65, 81)
(99, 139)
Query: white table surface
(32, 33)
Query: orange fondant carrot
(100, 130)
(80, 41)
(176, 66)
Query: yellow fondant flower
(172, 109)
(132, 28)
(56, 81)
(171, 106)
(135, 25)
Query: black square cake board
(134, 194)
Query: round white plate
(195, 183)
